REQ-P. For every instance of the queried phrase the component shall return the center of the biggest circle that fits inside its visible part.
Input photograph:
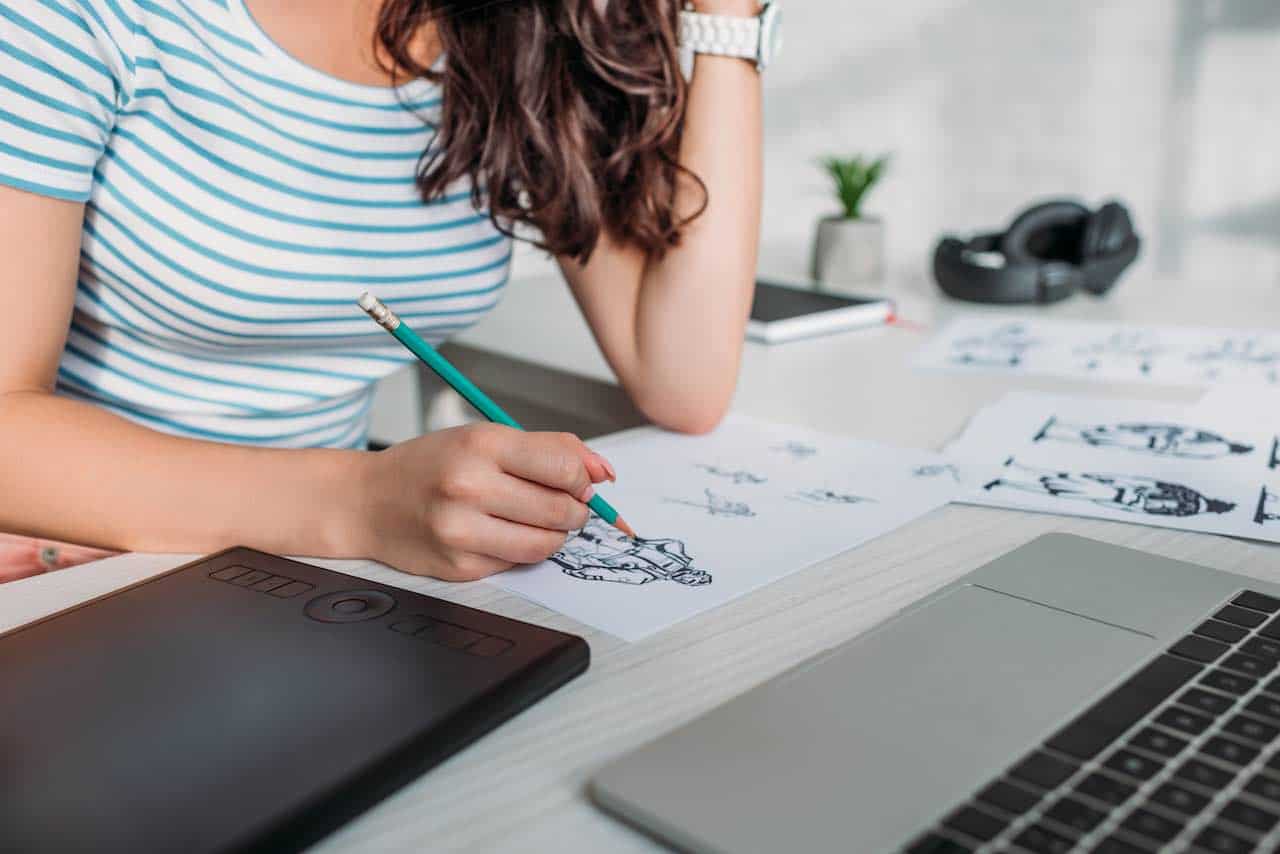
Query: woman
(193, 193)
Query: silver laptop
(1070, 695)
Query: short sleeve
(65, 69)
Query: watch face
(770, 33)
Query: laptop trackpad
(863, 747)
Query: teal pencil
(387, 319)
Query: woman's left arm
(672, 328)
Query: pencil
(413, 342)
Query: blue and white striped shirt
(237, 203)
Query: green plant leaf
(854, 177)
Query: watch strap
(720, 35)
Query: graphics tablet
(247, 702)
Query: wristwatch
(758, 39)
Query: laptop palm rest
(919, 712)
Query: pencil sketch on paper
(738, 476)
(937, 470)
(796, 450)
(1004, 347)
(600, 552)
(1268, 507)
(1274, 462)
(1131, 493)
(1248, 352)
(1126, 347)
(716, 505)
(828, 496)
(1164, 440)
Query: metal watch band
(720, 35)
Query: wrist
(738, 8)
(348, 523)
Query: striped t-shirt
(237, 202)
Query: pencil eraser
(367, 301)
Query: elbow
(682, 414)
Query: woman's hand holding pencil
(465, 503)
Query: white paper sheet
(1105, 351)
(1149, 463)
(722, 514)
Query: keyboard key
(1264, 707)
(1116, 845)
(1199, 649)
(1043, 770)
(1131, 764)
(291, 590)
(976, 823)
(1271, 629)
(1249, 665)
(1209, 776)
(935, 844)
(1262, 786)
(1257, 601)
(1185, 721)
(1008, 798)
(1075, 815)
(1180, 799)
(1256, 819)
(1041, 840)
(1154, 741)
(253, 576)
(1206, 701)
(1152, 826)
(1262, 647)
(1109, 790)
(1107, 719)
(271, 583)
(1241, 617)
(1231, 683)
(1231, 752)
(1222, 841)
(229, 573)
(1251, 729)
(1219, 630)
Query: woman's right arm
(457, 504)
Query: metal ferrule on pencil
(385, 317)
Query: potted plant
(849, 248)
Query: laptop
(1069, 696)
(245, 702)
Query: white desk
(522, 787)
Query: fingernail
(608, 467)
(587, 494)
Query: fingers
(475, 533)
(556, 460)
(528, 503)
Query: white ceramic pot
(848, 254)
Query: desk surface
(522, 787)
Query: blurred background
(1170, 105)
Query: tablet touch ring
(349, 606)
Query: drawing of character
(1248, 352)
(1132, 493)
(1003, 347)
(717, 505)
(937, 470)
(1122, 345)
(827, 496)
(600, 552)
(1268, 507)
(1165, 440)
(797, 450)
(738, 476)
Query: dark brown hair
(566, 115)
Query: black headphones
(1049, 252)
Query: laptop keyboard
(1184, 755)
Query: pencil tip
(621, 525)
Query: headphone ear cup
(1106, 232)
(1049, 231)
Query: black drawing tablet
(247, 702)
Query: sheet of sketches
(1136, 461)
(723, 514)
(1106, 351)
